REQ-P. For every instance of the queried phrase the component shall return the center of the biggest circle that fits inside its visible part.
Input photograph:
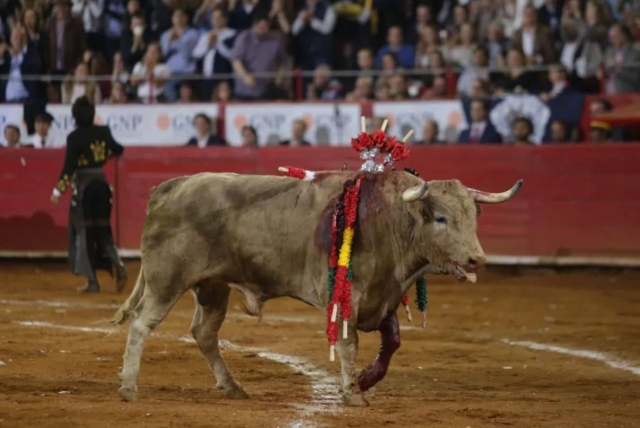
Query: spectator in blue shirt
(177, 45)
(406, 54)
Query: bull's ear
(415, 193)
(478, 210)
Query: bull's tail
(125, 311)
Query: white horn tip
(283, 169)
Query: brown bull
(270, 237)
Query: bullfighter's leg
(151, 310)
(211, 309)
(390, 342)
(348, 351)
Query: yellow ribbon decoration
(345, 250)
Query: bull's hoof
(236, 394)
(354, 400)
(128, 394)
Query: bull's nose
(476, 262)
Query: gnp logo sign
(404, 116)
(327, 124)
(269, 126)
(140, 125)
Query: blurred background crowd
(151, 51)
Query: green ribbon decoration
(421, 294)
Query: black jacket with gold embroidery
(87, 147)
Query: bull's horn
(415, 193)
(495, 198)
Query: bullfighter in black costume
(91, 244)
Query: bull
(270, 237)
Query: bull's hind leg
(149, 312)
(211, 308)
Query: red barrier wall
(579, 200)
(28, 221)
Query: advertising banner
(131, 124)
(327, 124)
(404, 116)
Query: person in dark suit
(35, 35)
(17, 60)
(535, 40)
(67, 39)
(204, 133)
(516, 78)
(558, 83)
(550, 14)
(480, 130)
(91, 244)
(135, 40)
(298, 130)
(241, 12)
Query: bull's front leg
(390, 342)
(347, 351)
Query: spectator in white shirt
(214, 49)
(43, 139)
(149, 75)
(90, 11)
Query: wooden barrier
(577, 200)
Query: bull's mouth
(462, 275)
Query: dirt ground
(471, 367)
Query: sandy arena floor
(473, 366)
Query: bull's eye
(441, 219)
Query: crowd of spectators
(221, 50)
(242, 49)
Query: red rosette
(391, 143)
(399, 152)
(362, 142)
(379, 139)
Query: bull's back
(213, 203)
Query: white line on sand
(84, 305)
(58, 304)
(581, 353)
(324, 390)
